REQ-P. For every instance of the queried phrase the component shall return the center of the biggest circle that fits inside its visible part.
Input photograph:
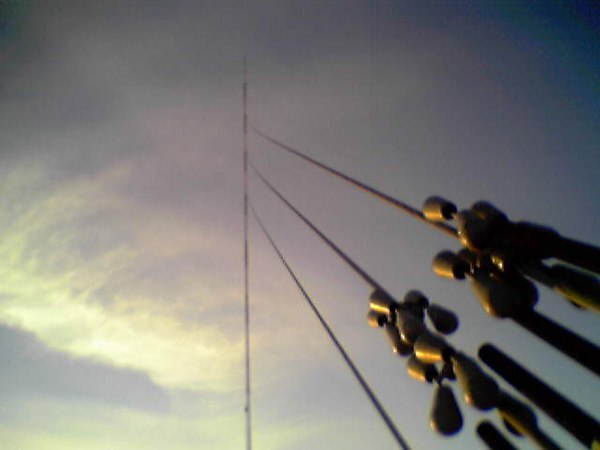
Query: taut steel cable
(357, 375)
(443, 227)
(359, 270)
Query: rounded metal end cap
(438, 209)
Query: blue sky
(121, 193)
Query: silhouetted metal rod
(492, 437)
(359, 378)
(574, 346)
(578, 253)
(580, 288)
(532, 241)
(365, 276)
(572, 418)
(417, 214)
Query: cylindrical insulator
(420, 371)
(448, 264)
(528, 293)
(504, 261)
(431, 348)
(497, 297)
(438, 209)
(516, 414)
(393, 335)
(510, 428)
(410, 326)
(376, 319)
(473, 231)
(447, 372)
(468, 256)
(381, 302)
(445, 417)
(487, 211)
(582, 289)
(479, 389)
(444, 320)
(416, 298)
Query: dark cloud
(75, 78)
(30, 369)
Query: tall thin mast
(247, 407)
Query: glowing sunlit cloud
(51, 287)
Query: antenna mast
(247, 407)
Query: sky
(121, 276)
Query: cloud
(31, 369)
(120, 224)
(96, 268)
(109, 276)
